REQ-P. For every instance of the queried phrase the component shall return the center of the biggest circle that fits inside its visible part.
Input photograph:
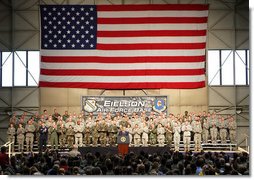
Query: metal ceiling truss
(5, 119)
(232, 107)
(25, 97)
(4, 101)
(236, 104)
(6, 3)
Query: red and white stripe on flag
(138, 47)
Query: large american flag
(123, 46)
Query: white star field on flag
(68, 27)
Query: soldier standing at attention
(53, 136)
(103, 129)
(129, 129)
(197, 129)
(137, 134)
(223, 130)
(124, 122)
(70, 136)
(186, 128)
(160, 135)
(186, 115)
(145, 134)
(43, 131)
(168, 135)
(45, 114)
(213, 129)
(177, 137)
(37, 126)
(205, 130)
(203, 117)
(78, 129)
(153, 134)
(65, 116)
(95, 133)
(11, 135)
(60, 121)
(13, 119)
(68, 123)
(232, 129)
(87, 133)
(48, 124)
(112, 130)
(29, 135)
(62, 137)
(20, 137)
(55, 115)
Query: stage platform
(114, 150)
(138, 150)
(135, 150)
(218, 147)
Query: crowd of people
(52, 162)
(145, 129)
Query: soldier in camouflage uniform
(186, 115)
(53, 136)
(36, 117)
(232, 130)
(55, 115)
(129, 129)
(153, 134)
(186, 129)
(145, 134)
(60, 121)
(69, 122)
(137, 135)
(213, 130)
(177, 137)
(124, 122)
(203, 117)
(160, 135)
(205, 133)
(20, 137)
(112, 130)
(11, 135)
(95, 133)
(61, 130)
(65, 116)
(37, 125)
(49, 122)
(103, 129)
(197, 129)
(30, 129)
(87, 134)
(223, 130)
(78, 129)
(168, 134)
(70, 136)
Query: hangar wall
(228, 28)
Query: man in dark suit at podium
(123, 141)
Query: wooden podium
(123, 142)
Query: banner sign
(123, 104)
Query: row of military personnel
(143, 130)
